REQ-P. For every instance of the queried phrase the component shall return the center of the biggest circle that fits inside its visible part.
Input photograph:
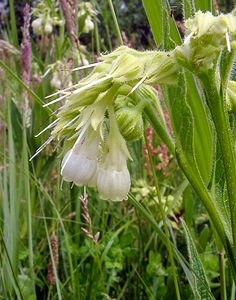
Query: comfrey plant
(100, 114)
(44, 22)
(106, 109)
(86, 13)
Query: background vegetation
(48, 232)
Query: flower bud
(130, 123)
(88, 25)
(56, 82)
(162, 69)
(37, 26)
(125, 68)
(48, 28)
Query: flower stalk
(220, 118)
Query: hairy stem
(221, 120)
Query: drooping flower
(80, 163)
(108, 88)
(41, 26)
(113, 178)
(88, 25)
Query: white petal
(113, 184)
(70, 170)
(85, 171)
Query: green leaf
(219, 191)
(14, 34)
(202, 288)
(188, 8)
(204, 5)
(203, 138)
(155, 16)
(163, 25)
(182, 121)
(22, 85)
(183, 126)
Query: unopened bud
(130, 123)
(37, 26)
(48, 28)
(126, 68)
(88, 25)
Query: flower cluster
(94, 162)
(206, 36)
(61, 74)
(44, 22)
(86, 14)
(104, 111)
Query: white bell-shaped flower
(80, 163)
(112, 183)
(37, 26)
(113, 178)
(48, 27)
(88, 24)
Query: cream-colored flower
(80, 163)
(88, 24)
(113, 178)
(37, 26)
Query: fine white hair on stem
(79, 139)
(46, 73)
(48, 127)
(48, 141)
(58, 99)
(137, 85)
(228, 41)
(70, 122)
(188, 38)
(62, 91)
(79, 90)
(86, 67)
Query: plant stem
(233, 291)
(160, 130)
(119, 37)
(13, 23)
(199, 187)
(168, 244)
(221, 120)
(222, 276)
(25, 162)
